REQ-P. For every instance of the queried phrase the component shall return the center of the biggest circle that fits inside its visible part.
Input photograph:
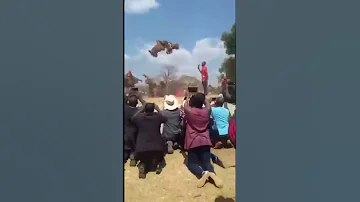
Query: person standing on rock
(204, 76)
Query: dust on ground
(176, 183)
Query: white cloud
(126, 57)
(140, 6)
(209, 49)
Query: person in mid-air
(162, 45)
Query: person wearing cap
(171, 129)
(204, 76)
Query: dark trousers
(179, 139)
(150, 159)
(129, 147)
(223, 139)
(199, 160)
(205, 86)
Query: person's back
(171, 128)
(172, 125)
(130, 109)
(130, 129)
(150, 146)
(197, 140)
(197, 131)
(129, 112)
(149, 137)
(221, 117)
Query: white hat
(170, 102)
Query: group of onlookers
(194, 127)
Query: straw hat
(170, 102)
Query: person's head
(134, 91)
(132, 100)
(219, 102)
(170, 103)
(197, 100)
(175, 46)
(149, 107)
(203, 63)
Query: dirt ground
(176, 183)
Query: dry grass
(176, 183)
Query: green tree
(229, 64)
(229, 68)
(229, 39)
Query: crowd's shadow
(223, 199)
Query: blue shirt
(221, 118)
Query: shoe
(217, 161)
(158, 169)
(142, 173)
(218, 182)
(170, 149)
(132, 162)
(218, 145)
(176, 146)
(203, 179)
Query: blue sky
(196, 25)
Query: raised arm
(207, 105)
(140, 98)
(163, 118)
(187, 107)
(134, 118)
(199, 68)
(157, 108)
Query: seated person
(197, 140)
(171, 129)
(221, 117)
(150, 147)
(130, 131)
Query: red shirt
(204, 73)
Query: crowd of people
(194, 127)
